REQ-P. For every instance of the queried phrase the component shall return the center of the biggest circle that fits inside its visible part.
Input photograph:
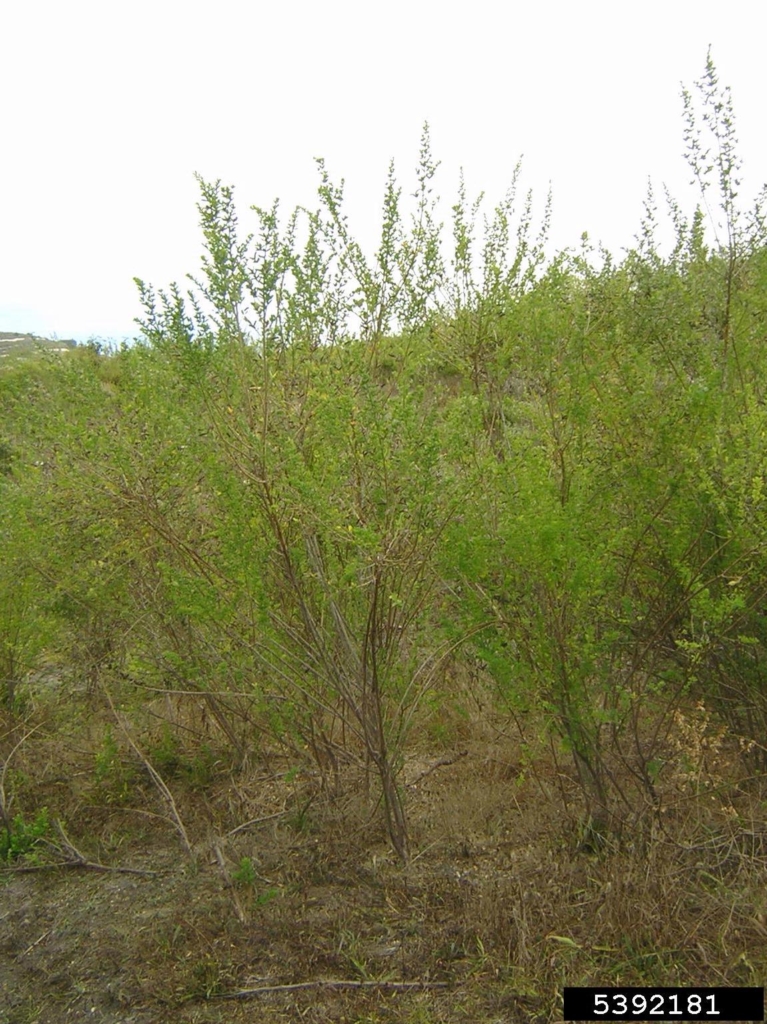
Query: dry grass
(291, 882)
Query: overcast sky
(108, 110)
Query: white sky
(108, 110)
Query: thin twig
(5, 804)
(35, 943)
(88, 865)
(441, 763)
(75, 859)
(69, 847)
(394, 986)
(155, 776)
(220, 860)
(255, 821)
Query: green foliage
(27, 624)
(245, 876)
(23, 838)
(112, 776)
(245, 873)
(324, 472)
(172, 761)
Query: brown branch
(88, 865)
(255, 821)
(155, 776)
(394, 986)
(76, 859)
(441, 763)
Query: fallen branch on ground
(89, 865)
(255, 821)
(395, 986)
(73, 858)
(441, 763)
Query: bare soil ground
(289, 884)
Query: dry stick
(76, 859)
(35, 943)
(396, 986)
(255, 821)
(5, 804)
(89, 865)
(242, 917)
(441, 763)
(155, 777)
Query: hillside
(14, 345)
